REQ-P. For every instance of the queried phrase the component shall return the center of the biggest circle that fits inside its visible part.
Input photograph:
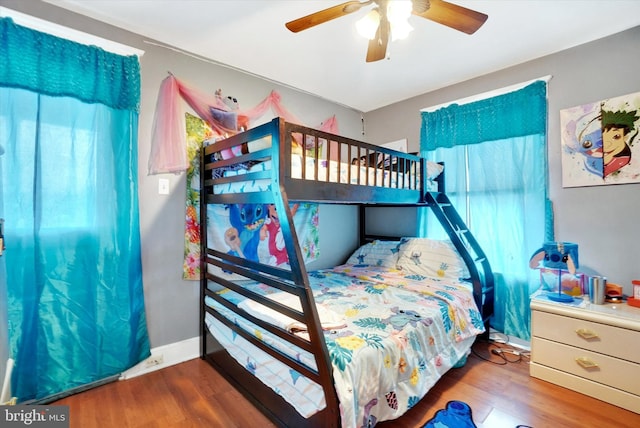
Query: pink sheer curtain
(168, 145)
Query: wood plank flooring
(193, 394)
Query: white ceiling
(329, 60)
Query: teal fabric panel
(514, 114)
(53, 66)
(69, 189)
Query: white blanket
(328, 319)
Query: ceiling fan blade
(454, 16)
(325, 15)
(378, 45)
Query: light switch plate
(163, 186)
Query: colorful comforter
(400, 335)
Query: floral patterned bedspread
(401, 335)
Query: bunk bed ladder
(468, 247)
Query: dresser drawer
(601, 338)
(596, 367)
(593, 389)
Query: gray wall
(603, 220)
(172, 303)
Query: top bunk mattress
(324, 171)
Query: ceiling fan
(445, 13)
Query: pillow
(432, 258)
(376, 253)
(434, 169)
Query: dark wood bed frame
(285, 189)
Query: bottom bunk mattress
(390, 337)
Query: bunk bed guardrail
(305, 160)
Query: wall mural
(600, 142)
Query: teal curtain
(68, 127)
(494, 152)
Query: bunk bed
(332, 331)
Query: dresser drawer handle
(586, 333)
(586, 363)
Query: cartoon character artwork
(254, 232)
(401, 318)
(243, 237)
(272, 231)
(599, 140)
(369, 420)
(616, 144)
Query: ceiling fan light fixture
(398, 13)
(400, 30)
(368, 24)
(389, 19)
(399, 10)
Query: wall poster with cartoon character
(253, 232)
(600, 142)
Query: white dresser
(594, 350)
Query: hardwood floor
(192, 394)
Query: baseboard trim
(188, 349)
(512, 340)
(165, 356)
